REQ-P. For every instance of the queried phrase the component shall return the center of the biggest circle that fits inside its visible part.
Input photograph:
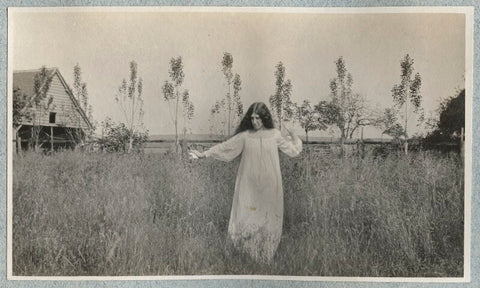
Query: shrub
(116, 137)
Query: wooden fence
(322, 147)
(375, 147)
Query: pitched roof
(25, 80)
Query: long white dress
(256, 218)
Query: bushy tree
(451, 119)
(388, 123)
(347, 110)
(452, 116)
(117, 137)
(310, 118)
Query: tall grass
(145, 214)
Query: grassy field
(150, 214)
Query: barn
(57, 121)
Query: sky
(104, 41)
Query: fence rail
(323, 147)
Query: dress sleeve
(228, 150)
(288, 146)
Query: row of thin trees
(346, 110)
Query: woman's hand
(196, 154)
(290, 132)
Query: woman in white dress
(256, 218)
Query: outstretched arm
(225, 151)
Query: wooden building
(56, 121)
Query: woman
(257, 211)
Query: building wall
(66, 112)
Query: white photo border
(470, 143)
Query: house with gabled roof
(57, 120)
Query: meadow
(152, 214)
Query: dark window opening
(52, 117)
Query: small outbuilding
(56, 121)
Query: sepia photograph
(287, 143)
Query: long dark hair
(261, 110)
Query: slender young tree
(171, 93)
(310, 119)
(20, 115)
(282, 106)
(30, 108)
(232, 103)
(20, 100)
(217, 118)
(80, 92)
(129, 97)
(41, 104)
(188, 110)
(408, 91)
(237, 102)
(225, 113)
(227, 64)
